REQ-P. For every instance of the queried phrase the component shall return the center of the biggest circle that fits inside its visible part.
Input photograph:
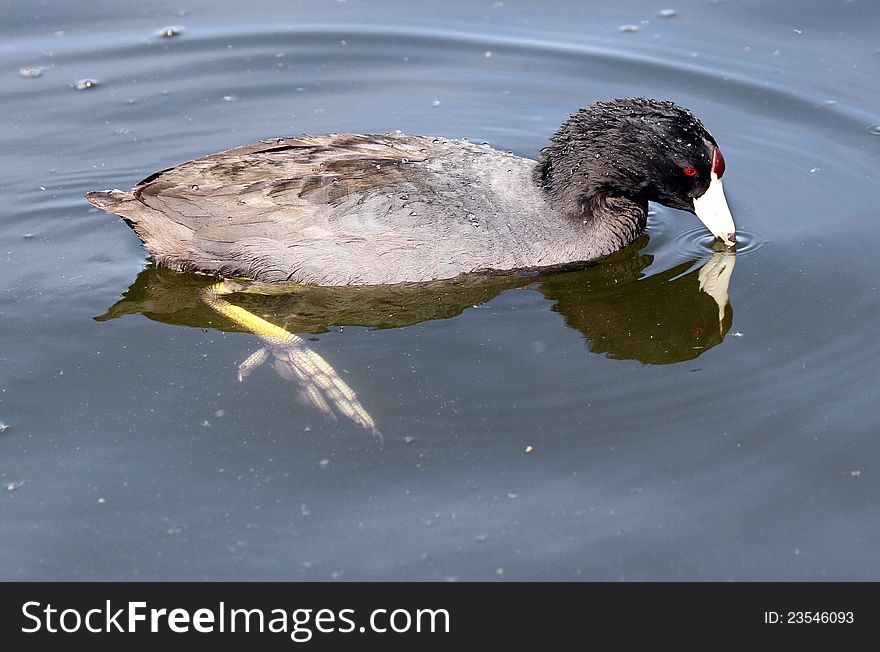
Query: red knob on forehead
(718, 163)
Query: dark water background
(660, 447)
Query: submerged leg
(294, 360)
(253, 361)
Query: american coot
(360, 209)
(349, 209)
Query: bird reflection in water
(623, 309)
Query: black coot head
(645, 150)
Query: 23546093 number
(819, 617)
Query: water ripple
(608, 58)
(697, 242)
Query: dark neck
(603, 219)
(578, 181)
(613, 222)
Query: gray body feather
(356, 209)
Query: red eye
(691, 172)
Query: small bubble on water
(170, 31)
(874, 130)
(343, 43)
(666, 13)
(488, 54)
(31, 73)
(229, 98)
(629, 28)
(435, 102)
(85, 84)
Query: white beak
(713, 211)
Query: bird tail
(108, 200)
